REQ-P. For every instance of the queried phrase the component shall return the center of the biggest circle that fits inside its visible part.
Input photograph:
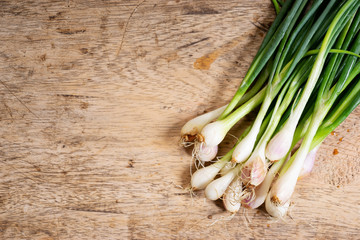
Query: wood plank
(89, 130)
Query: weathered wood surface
(93, 96)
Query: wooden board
(93, 96)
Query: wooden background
(93, 96)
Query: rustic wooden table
(93, 96)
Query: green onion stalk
(283, 188)
(335, 117)
(303, 82)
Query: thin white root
(232, 135)
(232, 195)
(244, 176)
(223, 218)
(248, 196)
(186, 141)
(192, 194)
(227, 168)
(198, 164)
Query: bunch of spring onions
(303, 82)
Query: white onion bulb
(213, 133)
(195, 125)
(244, 149)
(255, 169)
(309, 162)
(202, 177)
(280, 144)
(274, 209)
(205, 153)
(232, 196)
(217, 187)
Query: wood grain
(93, 96)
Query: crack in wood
(68, 31)
(20, 101)
(193, 43)
(126, 26)
(72, 96)
(94, 210)
(201, 11)
(260, 26)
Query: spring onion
(303, 82)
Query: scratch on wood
(193, 43)
(53, 17)
(9, 110)
(126, 26)
(21, 102)
(201, 11)
(100, 150)
(43, 57)
(130, 163)
(260, 26)
(84, 50)
(93, 210)
(68, 31)
(84, 105)
(264, 26)
(26, 175)
(72, 96)
(181, 194)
